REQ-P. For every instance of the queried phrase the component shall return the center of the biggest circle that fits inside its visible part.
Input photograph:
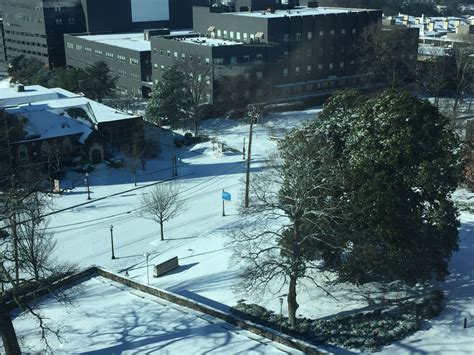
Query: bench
(165, 266)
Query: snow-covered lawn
(199, 235)
(108, 318)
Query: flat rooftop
(209, 42)
(297, 11)
(109, 318)
(33, 93)
(134, 41)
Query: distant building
(51, 125)
(302, 51)
(35, 28)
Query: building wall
(35, 28)
(300, 54)
(3, 54)
(131, 67)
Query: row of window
(25, 51)
(309, 35)
(122, 58)
(26, 34)
(70, 21)
(183, 56)
(237, 36)
(309, 68)
(26, 43)
(308, 87)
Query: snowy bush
(369, 331)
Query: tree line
(96, 81)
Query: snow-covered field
(199, 234)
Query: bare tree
(433, 72)
(197, 86)
(291, 223)
(388, 54)
(26, 259)
(463, 74)
(161, 204)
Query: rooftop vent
(312, 4)
(20, 88)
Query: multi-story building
(128, 55)
(35, 28)
(3, 55)
(302, 51)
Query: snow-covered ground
(108, 318)
(199, 234)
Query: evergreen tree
(169, 100)
(392, 162)
(98, 81)
(71, 79)
(28, 71)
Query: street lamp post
(146, 255)
(281, 311)
(112, 240)
(86, 180)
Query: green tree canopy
(99, 81)
(169, 99)
(392, 162)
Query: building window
(175, 55)
(183, 56)
(225, 34)
(110, 55)
(285, 72)
(59, 21)
(246, 58)
(23, 153)
(70, 45)
(208, 80)
(98, 52)
(78, 47)
(233, 60)
(331, 66)
(208, 61)
(332, 32)
(168, 53)
(88, 49)
(354, 31)
(297, 54)
(259, 57)
(286, 37)
(162, 67)
(71, 20)
(237, 36)
(297, 70)
(252, 37)
(219, 33)
(309, 52)
(45, 150)
(121, 57)
(246, 76)
(308, 68)
(231, 34)
(133, 61)
(259, 75)
(321, 33)
(285, 54)
(244, 36)
(341, 65)
(352, 62)
(298, 36)
(161, 52)
(310, 35)
(320, 67)
(343, 32)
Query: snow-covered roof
(297, 11)
(132, 41)
(44, 123)
(33, 93)
(210, 42)
(111, 318)
(46, 111)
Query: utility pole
(243, 150)
(112, 240)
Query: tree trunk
(292, 304)
(161, 231)
(195, 127)
(10, 341)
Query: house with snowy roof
(54, 125)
